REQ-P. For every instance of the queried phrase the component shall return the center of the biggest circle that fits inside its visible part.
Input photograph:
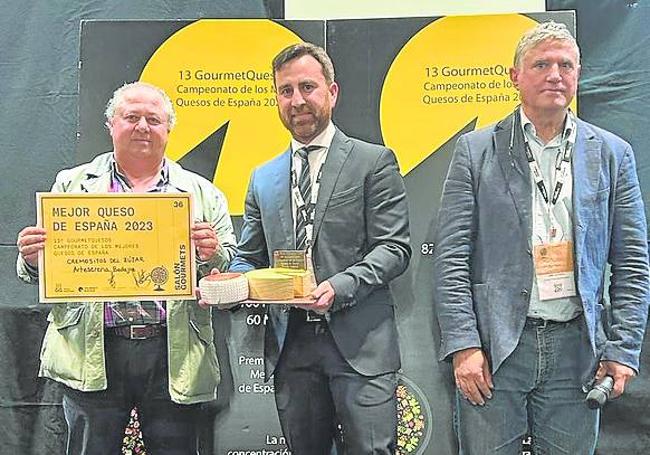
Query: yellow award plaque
(116, 246)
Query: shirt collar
(324, 139)
(119, 178)
(567, 133)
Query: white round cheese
(224, 288)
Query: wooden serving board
(296, 301)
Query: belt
(539, 322)
(137, 331)
(308, 321)
(308, 315)
(312, 316)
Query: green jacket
(73, 348)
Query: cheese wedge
(303, 283)
(277, 283)
(268, 284)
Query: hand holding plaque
(205, 240)
(31, 240)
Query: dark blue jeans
(137, 376)
(537, 390)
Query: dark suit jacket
(360, 243)
(483, 262)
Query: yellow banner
(112, 247)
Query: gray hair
(300, 49)
(118, 97)
(550, 30)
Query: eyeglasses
(151, 120)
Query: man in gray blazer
(335, 360)
(533, 210)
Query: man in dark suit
(533, 210)
(343, 201)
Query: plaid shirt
(130, 313)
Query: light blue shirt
(559, 215)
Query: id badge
(554, 270)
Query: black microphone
(599, 394)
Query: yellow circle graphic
(453, 71)
(218, 72)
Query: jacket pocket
(67, 316)
(344, 197)
(63, 354)
(204, 332)
(194, 370)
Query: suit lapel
(280, 191)
(586, 164)
(514, 166)
(336, 158)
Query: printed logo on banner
(413, 418)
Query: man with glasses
(158, 356)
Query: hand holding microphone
(599, 394)
(611, 377)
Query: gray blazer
(483, 261)
(360, 243)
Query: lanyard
(562, 165)
(561, 171)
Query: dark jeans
(537, 390)
(316, 389)
(137, 376)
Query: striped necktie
(303, 215)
